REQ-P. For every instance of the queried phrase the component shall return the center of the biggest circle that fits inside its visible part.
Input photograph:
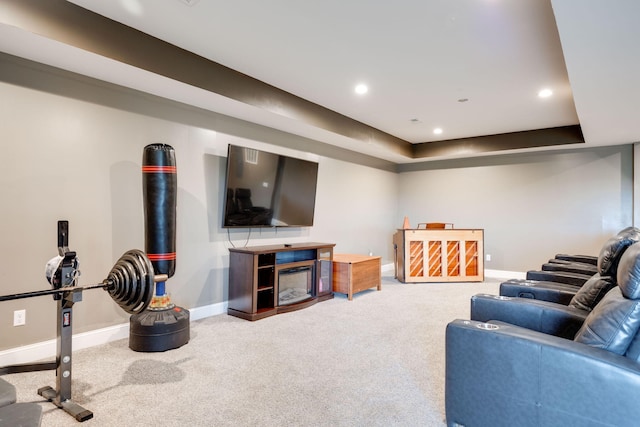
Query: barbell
(130, 283)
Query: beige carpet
(375, 361)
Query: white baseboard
(494, 274)
(46, 350)
(208, 310)
(502, 274)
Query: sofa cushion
(592, 292)
(612, 324)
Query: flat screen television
(268, 190)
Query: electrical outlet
(488, 257)
(19, 317)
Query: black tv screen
(268, 190)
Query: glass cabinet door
(325, 271)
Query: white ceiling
(418, 57)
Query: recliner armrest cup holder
(481, 325)
(487, 326)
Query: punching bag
(163, 325)
(159, 189)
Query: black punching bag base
(159, 330)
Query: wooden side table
(356, 273)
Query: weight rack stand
(130, 283)
(61, 395)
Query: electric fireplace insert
(295, 284)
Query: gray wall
(73, 150)
(73, 147)
(531, 206)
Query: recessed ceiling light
(361, 89)
(545, 93)
(437, 131)
(133, 7)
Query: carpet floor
(375, 361)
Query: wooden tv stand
(267, 280)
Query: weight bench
(17, 414)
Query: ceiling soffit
(75, 26)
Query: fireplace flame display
(295, 285)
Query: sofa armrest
(541, 316)
(558, 276)
(560, 293)
(586, 269)
(587, 259)
(7, 393)
(504, 375)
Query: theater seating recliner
(573, 276)
(14, 414)
(607, 264)
(499, 374)
(557, 318)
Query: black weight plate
(149, 283)
(136, 281)
(124, 285)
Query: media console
(267, 280)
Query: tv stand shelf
(267, 280)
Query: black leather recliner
(553, 317)
(573, 272)
(585, 259)
(563, 293)
(499, 374)
(569, 266)
(14, 414)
